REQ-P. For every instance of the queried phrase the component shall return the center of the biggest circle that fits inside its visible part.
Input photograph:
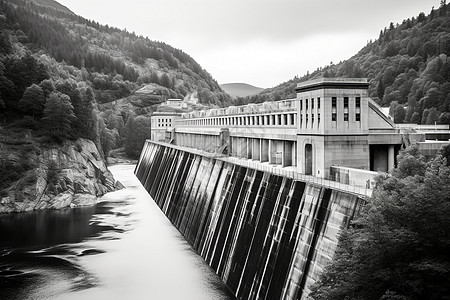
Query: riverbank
(122, 248)
(52, 176)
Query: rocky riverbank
(67, 175)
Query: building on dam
(331, 127)
(262, 191)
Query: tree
(59, 115)
(399, 248)
(47, 86)
(2, 103)
(433, 116)
(425, 114)
(136, 131)
(165, 81)
(415, 118)
(33, 101)
(5, 43)
(444, 118)
(399, 114)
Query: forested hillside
(61, 74)
(52, 57)
(408, 65)
(110, 59)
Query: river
(123, 248)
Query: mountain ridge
(240, 89)
(408, 68)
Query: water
(267, 236)
(124, 248)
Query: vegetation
(59, 72)
(111, 59)
(400, 246)
(409, 64)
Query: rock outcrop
(69, 175)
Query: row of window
(164, 120)
(334, 102)
(312, 102)
(346, 100)
(357, 117)
(271, 120)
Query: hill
(59, 77)
(53, 4)
(240, 89)
(408, 65)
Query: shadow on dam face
(266, 236)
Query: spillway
(267, 236)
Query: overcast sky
(264, 42)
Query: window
(345, 102)
(312, 103)
(346, 117)
(358, 117)
(301, 104)
(262, 120)
(318, 103)
(306, 104)
(279, 120)
(318, 119)
(333, 117)
(358, 102)
(292, 119)
(333, 102)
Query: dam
(267, 234)
(262, 191)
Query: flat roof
(335, 82)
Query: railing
(277, 170)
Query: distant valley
(240, 89)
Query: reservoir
(124, 247)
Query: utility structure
(332, 126)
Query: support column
(287, 154)
(256, 154)
(264, 150)
(271, 154)
(391, 157)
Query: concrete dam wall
(267, 236)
